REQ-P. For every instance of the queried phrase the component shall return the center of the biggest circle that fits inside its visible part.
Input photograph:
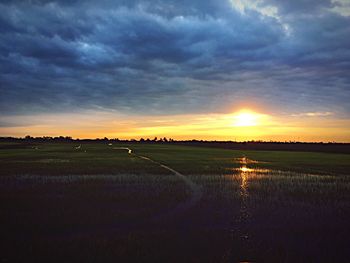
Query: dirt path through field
(196, 192)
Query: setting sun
(246, 118)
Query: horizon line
(159, 139)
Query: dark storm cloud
(172, 56)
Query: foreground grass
(87, 205)
(86, 201)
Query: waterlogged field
(71, 202)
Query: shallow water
(251, 215)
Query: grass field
(94, 158)
(94, 202)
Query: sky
(214, 69)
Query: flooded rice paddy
(250, 211)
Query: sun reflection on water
(245, 169)
(244, 179)
(245, 174)
(252, 171)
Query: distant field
(80, 202)
(99, 158)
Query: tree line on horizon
(29, 138)
(331, 147)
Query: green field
(59, 199)
(64, 159)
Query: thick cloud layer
(157, 57)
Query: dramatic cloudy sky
(132, 68)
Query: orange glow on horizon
(242, 125)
